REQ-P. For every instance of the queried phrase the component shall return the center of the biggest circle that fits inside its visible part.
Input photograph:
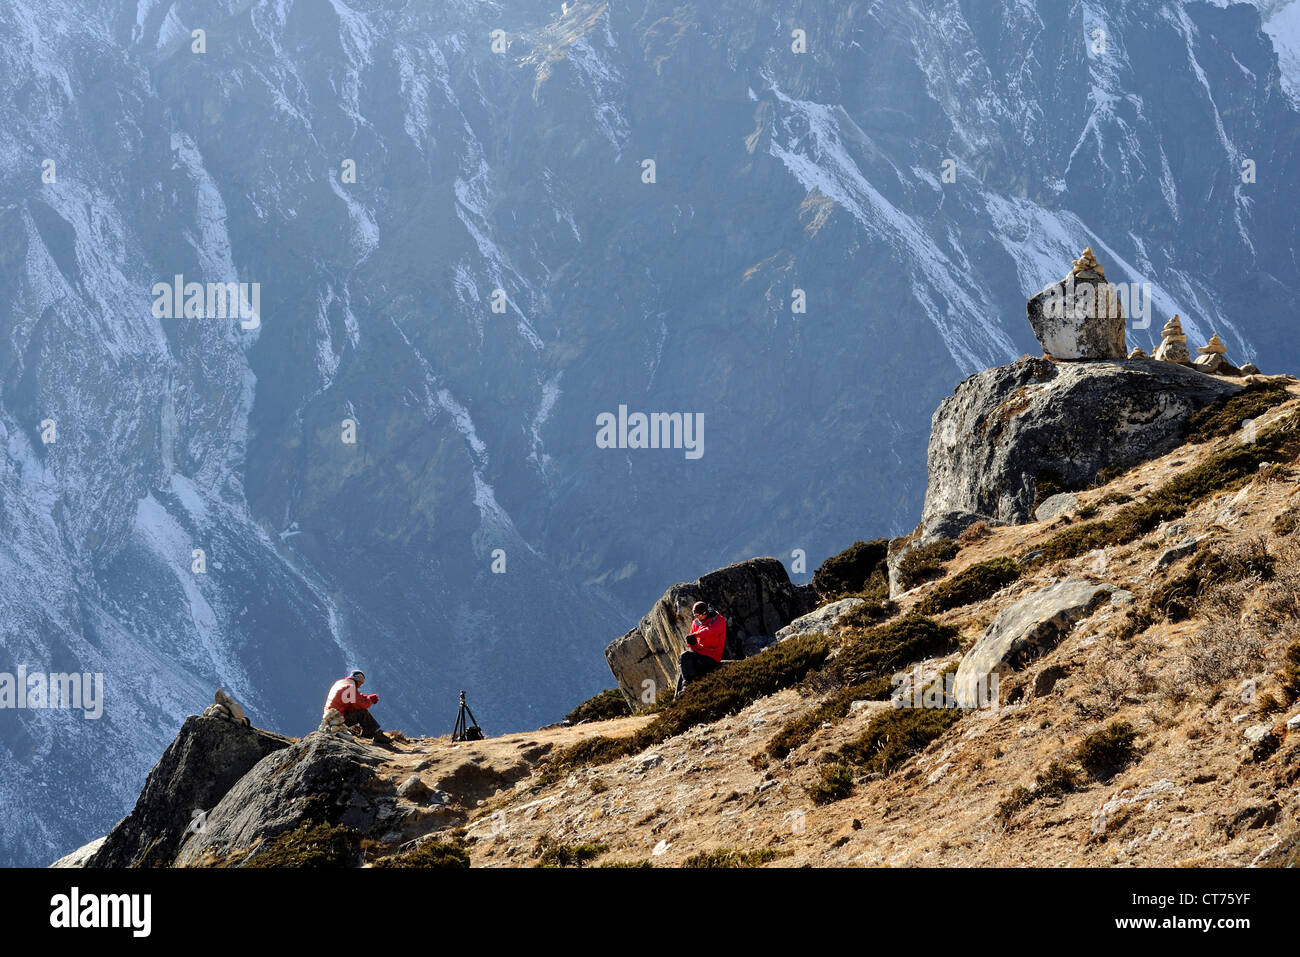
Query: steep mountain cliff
(381, 170)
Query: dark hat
(699, 608)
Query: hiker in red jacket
(707, 640)
(346, 698)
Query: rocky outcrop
(207, 758)
(1022, 632)
(1079, 317)
(329, 779)
(756, 597)
(1006, 428)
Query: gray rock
(1063, 503)
(81, 856)
(820, 621)
(1214, 364)
(325, 778)
(206, 759)
(1035, 416)
(1293, 723)
(1079, 317)
(1023, 631)
(1174, 552)
(1257, 732)
(753, 644)
(414, 789)
(756, 597)
(1249, 368)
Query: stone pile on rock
(1211, 358)
(1079, 317)
(1173, 344)
(226, 708)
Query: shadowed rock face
(756, 597)
(1004, 427)
(205, 761)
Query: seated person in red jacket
(347, 700)
(707, 640)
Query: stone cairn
(1138, 353)
(1080, 317)
(1211, 358)
(227, 709)
(1173, 344)
(331, 722)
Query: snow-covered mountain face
(462, 258)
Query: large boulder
(208, 756)
(1004, 429)
(756, 597)
(1023, 631)
(1081, 316)
(322, 779)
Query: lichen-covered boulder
(1081, 316)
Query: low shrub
(433, 854)
(1056, 779)
(1178, 598)
(731, 857)
(926, 562)
(1106, 752)
(1288, 675)
(971, 585)
(1223, 471)
(798, 731)
(975, 532)
(896, 735)
(1226, 414)
(834, 782)
(570, 855)
(718, 694)
(884, 649)
(313, 846)
(851, 570)
(602, 707)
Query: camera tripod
(466, 730)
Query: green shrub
(1286, 523)
(434, 854)
(311, 846)
(1225, 415)
(1057, 779)
(797, 732)
(852, 569)
(602, 707)
(971, 585)
(570, 855)
(1048, 483)
(639, 863)
(872, 613)
(896, 735)
(926, 562)
(1114, 498)
(1222, 472)
(730, 857)
(834, 782)
(1106, 752)
(882, 650)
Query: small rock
(1175, 552)
(1293, 722)
(1249, 368)
(414, 789)
(1063, 503)
(855, 706)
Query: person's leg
(693, 665)
(369, 726)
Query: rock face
(199, 767)
(1023, 631)
(321, 779)
(1003, 427)
(1079, 317)
(756, 597)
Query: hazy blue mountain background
(523, 171)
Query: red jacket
(345, 697)
(710, 636)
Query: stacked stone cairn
(227, 709)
